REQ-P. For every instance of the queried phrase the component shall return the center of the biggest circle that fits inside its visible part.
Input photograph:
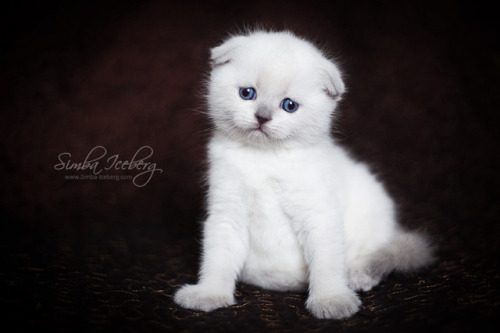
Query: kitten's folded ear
(222, 54)
(334, 86)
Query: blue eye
(289, 106)
(248, 93)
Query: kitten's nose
(262, 119)
(263, 114)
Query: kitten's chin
(258, 136)
(259, 132)
(262, 137)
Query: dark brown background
(82, 255)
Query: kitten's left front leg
(321, 238)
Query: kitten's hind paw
(361, 280)
(337, 306)
(199, 297)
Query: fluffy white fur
(288, 209)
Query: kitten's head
(272, 88)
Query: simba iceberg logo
(98, 166)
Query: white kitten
(287, 208)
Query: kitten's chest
(266, 183)
(269, 182)
(264, 173)
(275, 259)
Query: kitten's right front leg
(225, 243)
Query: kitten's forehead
(278, 50)
(276, 58)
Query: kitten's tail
(407, 252)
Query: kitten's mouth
(260, 129)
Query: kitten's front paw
(198, 297)
(337, 306)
